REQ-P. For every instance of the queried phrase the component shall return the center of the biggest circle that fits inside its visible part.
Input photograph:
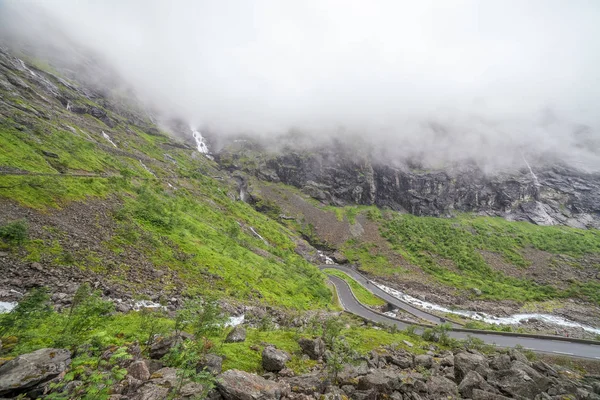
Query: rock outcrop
(29, 370)
(340, 175)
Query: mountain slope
(110, 196)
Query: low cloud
(494, 81)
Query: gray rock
(165, 377)
(308, 384)
(479, 394)
(465, 362)
(447, 361)
(473, 381)
(402, 360)
(500, 361)
(368, 395)
(31, 369)
(440, 387)
(150, 391)
(518, 356)
(273, 360)
(423, 360)
(239, 385)
(238, 334)
(383, 381)
(212, 363)
(139, 370)
(163, 345)
(519, 380)
(476, 291)
(314, 348)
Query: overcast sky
(492, 74)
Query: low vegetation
(425, 240)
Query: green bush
(14, 232)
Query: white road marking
(562, 352)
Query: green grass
(364, 255)
(362, 294)
(423, 240)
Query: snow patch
(480, 316)
(109, 139)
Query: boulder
(240, 385)
(402, 360)
(165, 377)
(273, 360)
(31, 369)
(212, 363)
(308, 384)
(237, 334)
(313, 348)
(500, 361)
(519, 380)
(516, 355)
(163, 345)
(473, 381)
(465, 362)
(439, 387)
(139, 370)
(479, 394)
(447, 360)
(383, 381)
(423, 360)
(350, 373)
(369, 395)
(150, 391)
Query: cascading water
(480, 316)
(200, 142)
(108, 138)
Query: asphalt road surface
(434, 319)
(582, 350)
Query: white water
(27, 69)
(147, 304)
(147, 169)
(7, 306)
(535, 179)
(480, 316)
(109, 139)
(200, 142)
(235, 321)
(328, 260)
(258, 236)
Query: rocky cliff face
(550, 195)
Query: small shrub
(32, 309)
(14, 232)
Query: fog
(494, 81)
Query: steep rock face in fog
(555, 195)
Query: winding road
(538, 344)
(364, 281)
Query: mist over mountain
(493, 82)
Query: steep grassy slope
(504, 260)
(164, 207)
(466, 241)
